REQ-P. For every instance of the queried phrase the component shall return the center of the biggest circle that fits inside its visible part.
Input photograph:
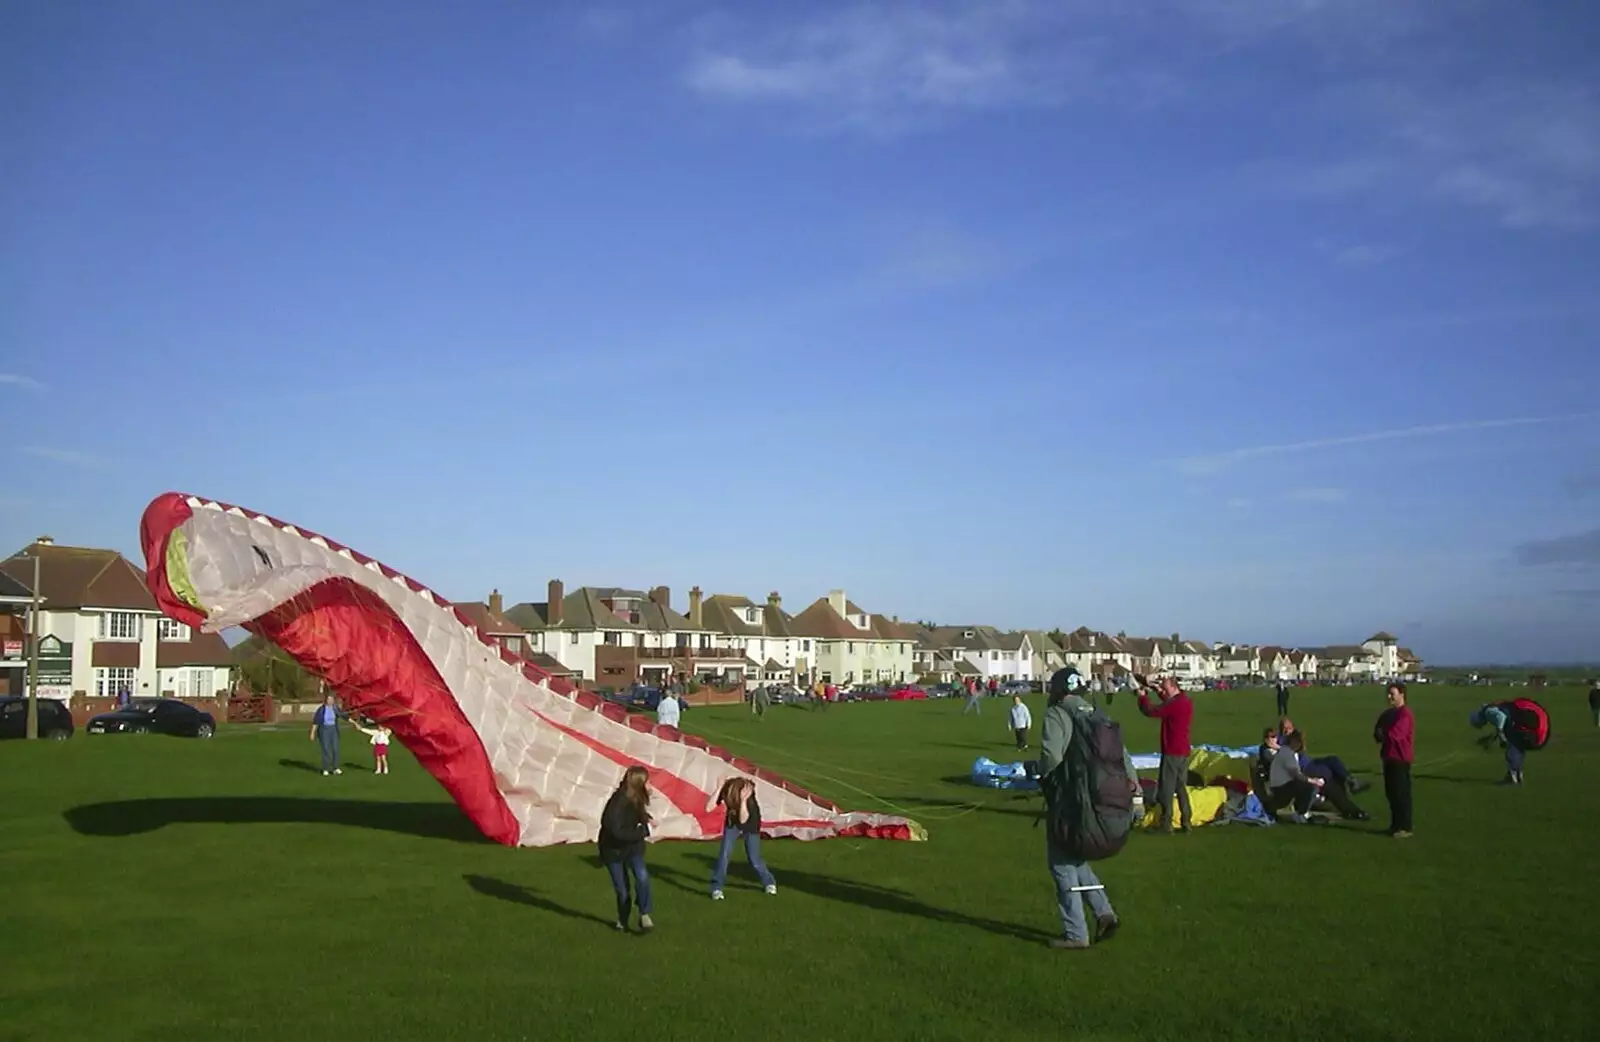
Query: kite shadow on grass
(522, 895)
(849, 891)
(135, 817)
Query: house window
(994, 656)
(119, 625)
(850, 647)
(108, 680)
(805, 646)
(514, 645)
(574, 637)
(172, 629)
(613, 638)
(201, 686)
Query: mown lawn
(170, 889)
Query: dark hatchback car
(155, 716)
(55, 720)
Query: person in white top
(380, 746)
(1020, 720)
(668, 710)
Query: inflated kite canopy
(528, 757)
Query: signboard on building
(13, 649)
(55, 663)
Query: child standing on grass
(624, 826)
(1394, 735)
(380, 745)
(1020, 721)
(742, 818)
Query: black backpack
(1089, 796)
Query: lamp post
(33, 657)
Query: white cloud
(70, 457)
(1213, 463)
(18, 380)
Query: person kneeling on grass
(624, 826)
(742, 818)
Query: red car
(906, 693)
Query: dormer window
(751, 615)
(967, 634)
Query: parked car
(155, 716)
(55, 720)
(907, 693)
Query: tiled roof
(491, 622)
(73, 577)
(820, 621)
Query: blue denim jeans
(1068, 874)
(328, 740)
(619, 871)
(1514, 758)
(752, 851)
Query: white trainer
(772, 888)
(716, 895)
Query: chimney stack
(662, 596)
(553, 609)
(773, 600)
(1175, 639)
(838, 602)
(695, 614)
(45, 540)
(496, 604)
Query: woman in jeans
(741, 818)
(624, 826)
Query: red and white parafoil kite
(528, 757)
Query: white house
(773, 652)
(855, 646)
(1238, 660)
(1384, 649)
(101, 634)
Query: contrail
(1215, 462)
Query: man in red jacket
(1393, 735)
(1175, 713)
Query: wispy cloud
(885, 70)
(1353, 254)
(1219, 461)
(1582, 550)
(68, 457)
(1317, 495)
(18, 380)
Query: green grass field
(170, 889)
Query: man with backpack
(1520, 726)
(1088, 782)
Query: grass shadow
(1454, 779)
(135, 817)
(864, 895)
(522, 895)
(1003, 801)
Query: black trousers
(1283, 702)
(1022, 737)
(1397, 787)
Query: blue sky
(1266, 321)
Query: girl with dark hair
(741, 818)
(624, 826)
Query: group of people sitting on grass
(1285, 775)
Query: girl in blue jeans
(624, 826)
(742, 818)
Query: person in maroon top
(1393, 735)
(1175, 712)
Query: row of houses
(102, 634)
(613, 637)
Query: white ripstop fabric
(554, 784)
